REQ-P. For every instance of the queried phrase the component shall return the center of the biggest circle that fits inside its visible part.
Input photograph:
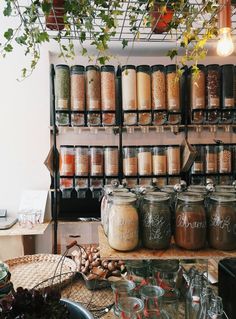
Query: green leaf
(21, 40)
(124, 43)
(8, 9)
(82, 36)
(102, 59)
(172, 53)
(8, 34)
(43, 37)
(8, 48)
(84, 51)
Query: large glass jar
(130, 161)
(190, 223)
(159, 160)
(111, 158)
(224, 159)
(67, 160)
(158, 87)
(144, 87)
(93, 88)
(144, 161)
(222, 221)
(211, 159)
(227, 85)
(155, 221)
(96, 161)
(123, 229)
(197, 89)
(173, 159)
(77, 92)
(62, 86)
(213, 86)
(129, 88)
(173, 88)
(198, 164)
(81, 161)
(108, 90)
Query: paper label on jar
(108, 105)
(82, 169)
(93, 105)
(62, 104)
(96, 169)
(77, 105)
(229, 102)
(214, 102)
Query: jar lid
(171, 68)
(157, 197)
(108, 68)
(128, 67)
(92, 67)
(143, 68)
(62, 66)
(168, 189)
(77, 69)
(158, 67)
(124, 198)
(225, 66)
(223, 198)
(197, 188)
(213, 66)
(225, 188)
(191, 197)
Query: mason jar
(129, 88)
(222, 221)
(130, 161)
(123, 229)
(144, 87)
(77, 92)
(139, 272)
(93, 88)
(190, 222)
(155, 221)
(122, 289)
(62, 87)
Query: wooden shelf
(17, 230)
(106, 252)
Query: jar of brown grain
(173, 88)
(108, 88)
(158, 87)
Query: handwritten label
(223, 223)
(157, 227)
(182, 221)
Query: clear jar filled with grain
(67, 160)
(211, 159)
(158, 87)
(62, 87)
(198, 88)
(93, 88)
(173, 160)
(130, 161)
(81, 161)
(111, 159)
(144, 87)
(96, 160)
(77, 92)
(198, 164)
(173, 88)
(225, 159)
(213, 86)
(108, 89)
(129, 88)
(145, 161)
(227, 85)
(159, 160)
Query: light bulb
(225, 44)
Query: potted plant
(55, 17)
(161, 15)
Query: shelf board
(17, 230)
(106, 252)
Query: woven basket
(31, 270)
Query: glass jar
(198, 164)
(123, 229)
(62, 87)
(152, 297)
(155, 221)
(144, 87)
(130, 161)
(131, 308)
(173, 159)
(213, 86)
(108, 90)
(197, 88)
(93, 89)
(81, 161)
(190, 223)
(96, 161)
(94, 119)
(108, 119)
(144, 161)
(216, 310)
(130, 119)
(122, 289)
(67, 160)
(77, 92)
(159, 160)
(211, 159)
(129, 88)
(158, 87)
(224, 159)
(77, 119)
(111, 158)
(227, 85)
(139, 272)
(222, 221)
(173, 88)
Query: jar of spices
(159, 160)
(155, 221)
(81, 161)
(108, 89)
(173, 159)
(173, 88)
(62, 87)
(96, 161)
(197, 88)
(129, 88)
(158, 87)
(198, 164)
(222, 222)
(227, 85)
(224, 159)
(77, 93)
(190, 223)
(67, 160)
(213, 86)
(144, 87)
(123, 229)
(211, 159)
(93, 89)
(130, 161)
(111, 158)
(144, 161)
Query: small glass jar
(77, 92)
(222, 221)
(198, 164)
(211, 159)
(123, 229)
(224, 159)
(158, 87)
(108, 90)
(173, 160)
(122, 289)
(81, 161)
(130, 118)
(96, 161)
(144, 87)
(155, 221)
(67, 160)
(131, 308)
(108, 119)
(77, 119)
(145, 118)
(94, 119)
(93, 88)
(62, 87)
(144, 161)
(213, 86)
(111, 158)
(129, 88)
(173, 88)
(159, 160)
(190, 222)
(227, 85)
(139, 272)
(130, 161)
(62, 118)
(152, 297)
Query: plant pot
(77, 310)
(160, 20)
(55, 20)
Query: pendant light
(225, 45)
